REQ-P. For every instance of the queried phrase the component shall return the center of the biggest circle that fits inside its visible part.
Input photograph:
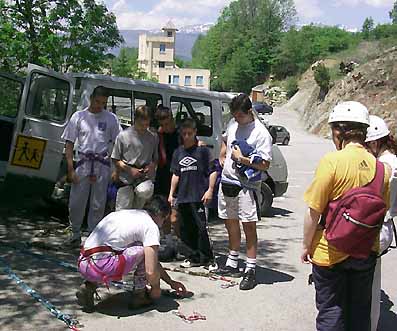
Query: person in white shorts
(91, 132)
(245, 155)
(135, 155)
(382, 145)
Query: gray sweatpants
(129, 198)
(78, 201)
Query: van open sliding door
(37, 148)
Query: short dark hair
(189, 123)
(351, 131)
(241, 102)
(143, 112)
(163, 113)
(158, 205)
(100, 91)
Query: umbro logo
(201, 210)
(187, 161)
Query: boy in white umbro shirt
(91, 131)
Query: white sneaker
(189, 264)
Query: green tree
(368, 27)
(291, 86)
(298, 49)
(322, 78)
(63, 35)
(125, 64)
(240, 49)
(393, 13)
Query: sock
(251, 264)
(232, 259)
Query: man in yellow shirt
(343, 284)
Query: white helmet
(145, 189)
(349, 111)
(377, 129)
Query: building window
(169, 79)
(161, 64)
(162, 48)
(169, 33)
(175, 80)
(200, 81)
(188, 80)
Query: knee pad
(145, 190)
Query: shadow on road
(117, 305)
(388, 319)
(263, 275)
(277, 212)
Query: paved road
(282, 301)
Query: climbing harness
(227, 282)
(190, 318)
(92, 158)
(67, 319)
(187, 272)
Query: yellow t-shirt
(337, 173)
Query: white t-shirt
(256, 135)
(391, 160)
(93, 133)
(123, 228)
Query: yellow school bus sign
(29, 152)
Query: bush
(322, 77)
(291, 86)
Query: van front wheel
(267, 198)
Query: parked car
(263, 108)
(280, 134)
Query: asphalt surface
(282, 300)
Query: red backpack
(353, 222)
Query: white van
(35, 110)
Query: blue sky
(152, 14)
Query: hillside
(373, 83)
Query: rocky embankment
(373, 83)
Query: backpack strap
(377, 183)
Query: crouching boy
(123, 241)
(194, 176)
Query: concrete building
(157, 58)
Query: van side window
(151, 100)
(48, 98)
(10, 93)
(199, 110)
(120, 103)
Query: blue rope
(70, 322)
(127, 286)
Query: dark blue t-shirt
(193, 166)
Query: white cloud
(372, 3)
(181, 13)
(308, 9)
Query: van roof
(220, 95)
